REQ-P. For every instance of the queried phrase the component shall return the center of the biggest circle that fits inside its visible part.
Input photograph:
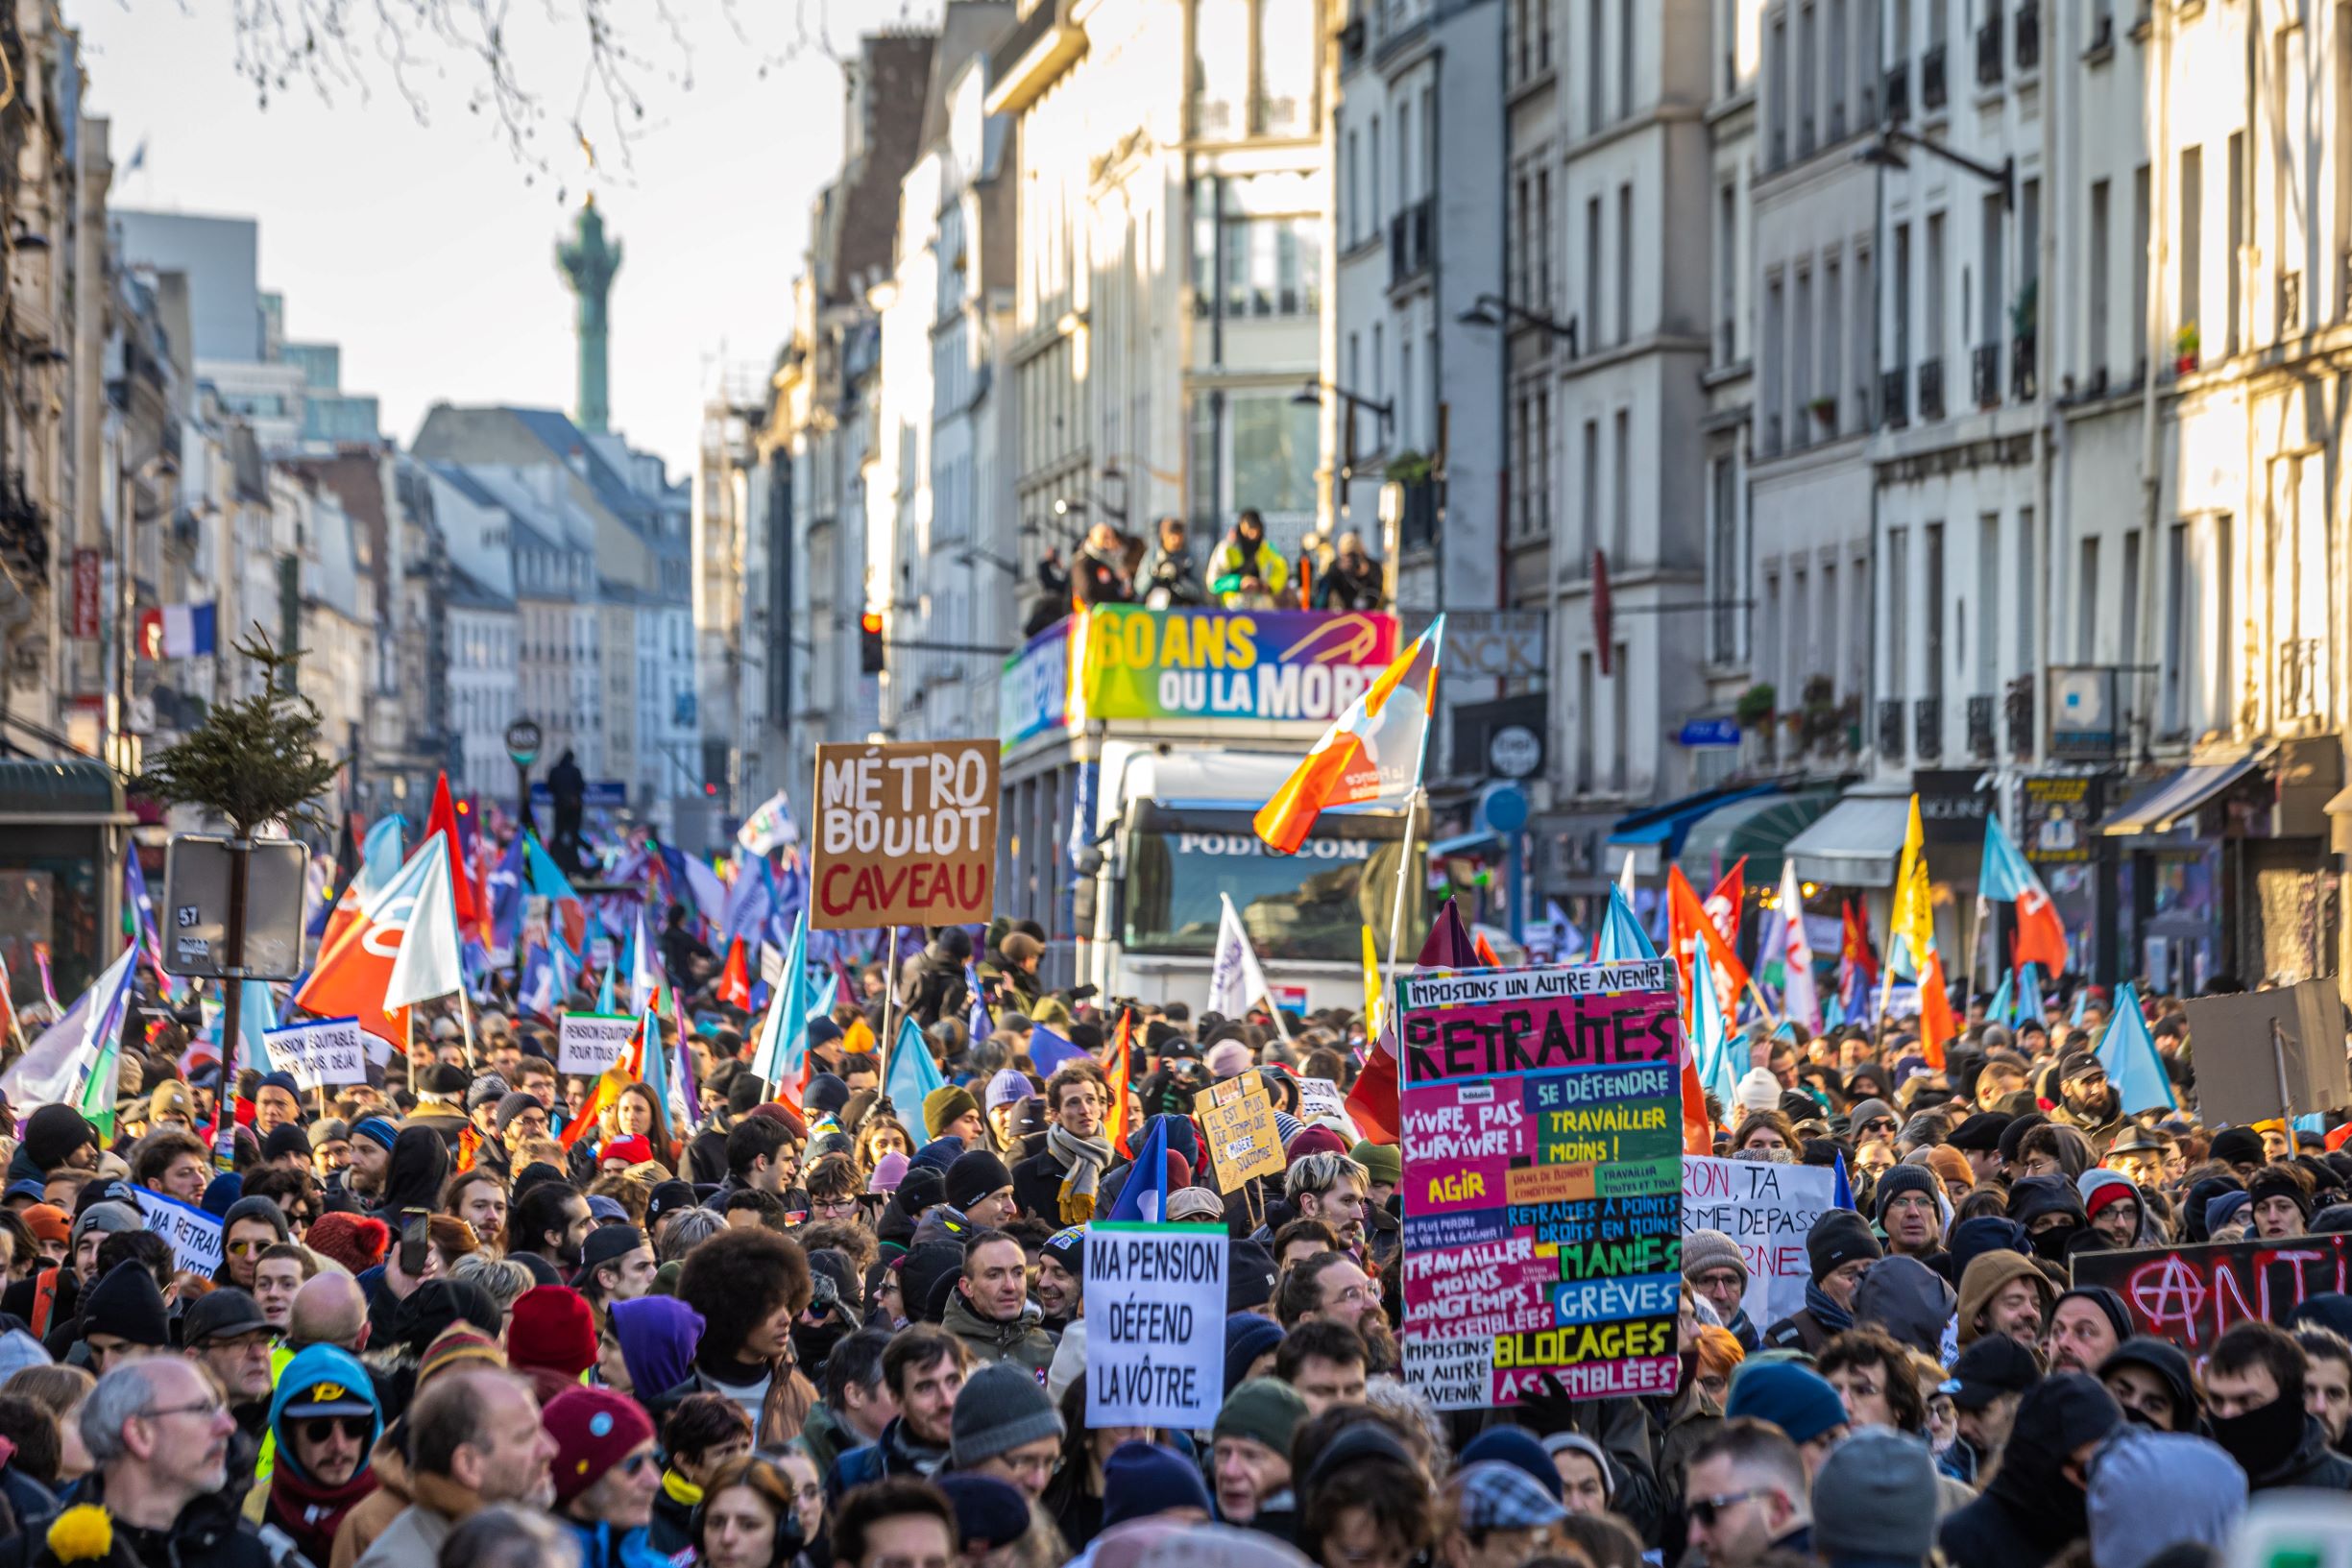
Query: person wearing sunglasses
(1748, 1494)
(325, 1420)
(606, 1473)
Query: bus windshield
(1312, 905)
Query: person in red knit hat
(553, 1330)
(605, 1473)
(356, 1240)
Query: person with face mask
(2254, 1403)
(2050, 1210)
(2035, 1505)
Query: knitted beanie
(1758, 1090)
(356, 1240)
(1142, 1479)
(1797, 1399)
(975, 1174)
(999, 1407)
(1384, 1163)
(460, 1344)
(553, 1327)
(1264, 1410)
(1838, 1237)
(1707, 1249)
(1875, 1500)
(594, 1429)
(943, 1105)
(1900, 1179)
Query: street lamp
(1313, 392)
(971, 556)
(1492, 310)
(1884, 152)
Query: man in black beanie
(56, 1138)
(1840, 1249)
(2036, 1505)
(2237, 1148)
(123, 1318)
(2279, 1198)
(1906, 1208)
(978, 1185)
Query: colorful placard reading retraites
(1543, 1182)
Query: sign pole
(2278, 1057)
(523, 742)
(1406, 871)
(232, 999)
(889, 995)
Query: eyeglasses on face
(209, 1408)
(318, 1429)
(1707, 1510)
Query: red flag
(1724, 903)
(1115, 1125)
(1855, 944)
(1698, 1132)
(443, 820)
(735, 979)
(1936, 1024)
(1485, 951)
(1372, 1103)
(469, 1145)
(1687, 926)
(2041, 935)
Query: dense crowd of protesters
(856, 1334)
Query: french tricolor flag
(188, 630)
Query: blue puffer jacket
(601, 1546)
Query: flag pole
(464, 1021)
(1405, 870)
(889, 995)
(1975, 939)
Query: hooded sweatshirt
(2150, 1490)
(420, 1169)
(307, 1510)
(658, 1335)
(2031, 1512)
(1984, 1280)
(1907, 1299)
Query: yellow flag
(1371, 986)
(1914, 916)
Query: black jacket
(2313, 1464)
(1800, 1330)
(2029, 1514)
(208, 1533)
(1036, 1187)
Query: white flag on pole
(419, 899)
(53, 1067)
(1799, 999)
(1235, 980)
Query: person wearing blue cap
(325, 1418)
(1796, 1399)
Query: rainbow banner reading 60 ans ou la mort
(1126, 662)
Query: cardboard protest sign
(905, 834)
(1768, 1210)
(1543, 1182)
(331, 1050)
(1156, 1311)
(2192, 1295)
(2238, 1070)
(586, 1043)
(1237, 1125)
(195, 1236)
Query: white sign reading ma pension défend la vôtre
(328, 1050)
(1156, 1312)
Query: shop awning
(43, 791)
(1760, 827)
(1857, 843)
(2178, 794)
(1654, 832)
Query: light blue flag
(2028, 995)
(2082, 1000)
(827, 997)
(604, 991)
(2128, 1053)
(657, 1070)
(2004, 999)
(1622, 938)
(912, 1074)
(256, 1015)
(1709, 1040)
(384, 849)
(784, 1033)
(1144, 1198)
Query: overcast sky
(421, 249)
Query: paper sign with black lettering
(331, 1050)
(586, 1043)
(195, 1236)
(1768, 1210)
(1319, 1100)
(1237, 1123)
(905, 834)
(1156, 1312)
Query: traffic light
(869, 643)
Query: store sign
(2085, 712)
(1952, 806)
(1710, 732)
(2056, 818)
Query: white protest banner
(195, 1236)
(1768, 1210)
(1319, 1100)
(328, 1050)
(1156, 1311)
(586, 1043)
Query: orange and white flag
(1372, 752)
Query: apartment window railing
(1899, 90)
(1890, 729)
(1927, 727)
(2023, 375)
(1980, 727)
(1931, 388)
(1984, 375)
(1933, 90)
(2028, 43)
(1894, 398)
(1988, 52)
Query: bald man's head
(330, 1310)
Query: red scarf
(310, 1512)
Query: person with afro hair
(749, 1285)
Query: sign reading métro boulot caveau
(905, 834)
(1543, 1182)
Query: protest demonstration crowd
(672, 1217)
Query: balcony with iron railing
(2298, 677)
(1928, 728)
(1980, 727)
(1890, 729)
(1894, 399)
(2028, 30)
(1899, 90)
(1933, 93)
(1984, 375)
(1932, 389)
(2024, 381)
(2016, 709)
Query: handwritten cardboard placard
(1156, 1311)
(195, 1236)
(1237, 1122)
(329, 1050)
(1543, 1182)
(905, 834)
(1768, 1210)
(586, 1043)
(1319, 1100)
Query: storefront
(62, 831)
